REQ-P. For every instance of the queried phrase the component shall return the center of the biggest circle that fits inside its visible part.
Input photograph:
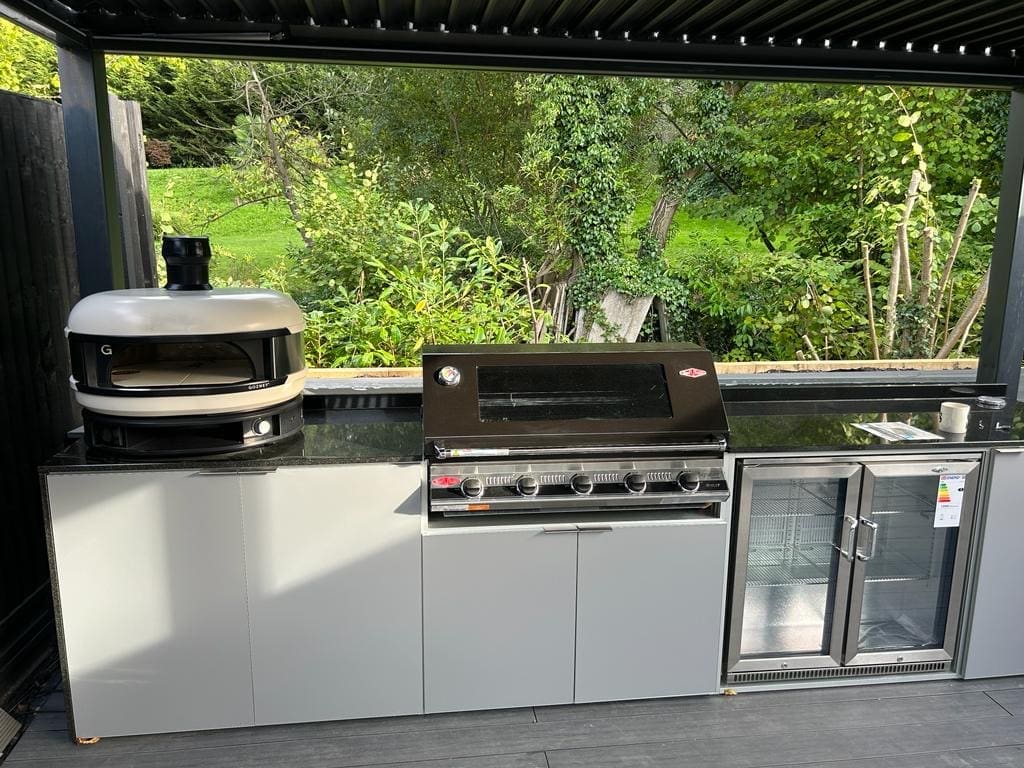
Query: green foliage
(189, 103)
(450, 287)
(28, 63)
(351, 224)
(758, 306)
(812, 161)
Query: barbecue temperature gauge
(448, 376)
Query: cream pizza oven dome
(187, 368)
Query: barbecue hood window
(553, 392)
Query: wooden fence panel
(138, 257)
(38, 287)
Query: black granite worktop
(827, 425)
(386, 429)
(364, 436)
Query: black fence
(38, 286)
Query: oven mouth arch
(183, 365)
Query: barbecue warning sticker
(949, 501)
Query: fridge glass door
(911, 548)
(795, 543)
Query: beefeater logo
(693, 373)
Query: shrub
(158, 153)
(445, 286)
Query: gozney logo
(693, 373)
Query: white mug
(953, 417)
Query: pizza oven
(187, 369)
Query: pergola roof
(968, 42)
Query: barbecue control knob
(635, 482)
(582, 484)
(688, 481)
(527, 486)
(472, 487)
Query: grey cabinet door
(499, 618)
(333, 564)
(650, 610)
(995, 646)
(152, 600)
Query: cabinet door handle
(574, 529)
(1009, 450)
(874, 537)
(238, 471)
(851, 523)
(594, 528)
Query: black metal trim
(1002, 337)
(192, 338)
(554, 54)
(188, 435)
(183, 390)
(43, 18)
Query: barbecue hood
(549, 396)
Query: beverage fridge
(847, 568)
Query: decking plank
(802, 748)
(46, 743)
(436, 744)
(1011, 701)
(789, 698)
(174, 760)
(992, 757)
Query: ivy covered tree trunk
(624, 316)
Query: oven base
(170, 436)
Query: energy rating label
(949, 500)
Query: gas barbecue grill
(601, 429)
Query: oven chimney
(188, 263)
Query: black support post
(1002, 339)
(83, 88)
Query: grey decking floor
(941, 724)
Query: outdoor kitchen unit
(574, 548)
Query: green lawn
(245, 241)
(691, 234)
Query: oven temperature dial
(527, 486)
(472, 487)
(688, 481)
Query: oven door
(197, 365)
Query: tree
(28, 63)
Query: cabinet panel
(649, 611)
(499, 616)
(995, 647)
(152, 597)
(333, 565)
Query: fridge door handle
(850, 522)
(874, 537)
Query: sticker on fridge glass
(949, 500)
